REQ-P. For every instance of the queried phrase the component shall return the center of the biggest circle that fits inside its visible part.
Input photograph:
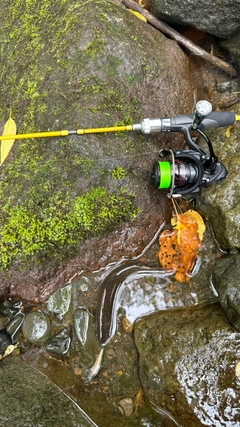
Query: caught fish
(93, 371)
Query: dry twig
(192, 47)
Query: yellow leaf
(8, 351)
(139, 15)
(199, 220)
(10, 128)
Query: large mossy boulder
(85, 199)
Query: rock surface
(232, 46)
(188, 365)
(28, 398)
(226, 275)
(220, 202)
(90, 64)
(220, 18)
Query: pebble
(60, 343)
(126, 406)
(36, 326)
(80, 322)
(60, 301)
(14, 325)
(10, 308)
(83, 284)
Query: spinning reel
(187, 170)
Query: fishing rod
(186, 170)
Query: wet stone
(59, 344)
(126, 406)
(83, 284)
(3, 322)
(36, 327)
(9, 308)
(59, 302)
(226, 274)
(5, 341)
(29, 398)
(81, 322)
(14, 325)
(192, 370)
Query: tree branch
(166, 29)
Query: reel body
(188, 170)
(185, 173)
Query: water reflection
(146, 292)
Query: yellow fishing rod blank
(66, 132)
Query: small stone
(78, 371)
(60, 344)
(126, 406)
(14, 325)
(83, 284)
(81, 321)
(10, 308)
(59, 302)
(36, 327)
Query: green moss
(52, 193)
(62, 222)
(118, 173)
(94, 47)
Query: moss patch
(60, 222)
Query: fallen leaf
(139, 15)
(139, 400)
(10, 128)
(8, 351)
(179, 247)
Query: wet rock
(221, 21)
(29, 398)
(81, 322)
(36, 327)
(188, 362)
(232, 46)
(3, 322)
(113, 68)
(83, 284)
(60, 344)
(14, 325)
(226, 275)
(10, 308)
(220, 202)
(5, 341)
(60, 301)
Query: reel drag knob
(203, 109)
